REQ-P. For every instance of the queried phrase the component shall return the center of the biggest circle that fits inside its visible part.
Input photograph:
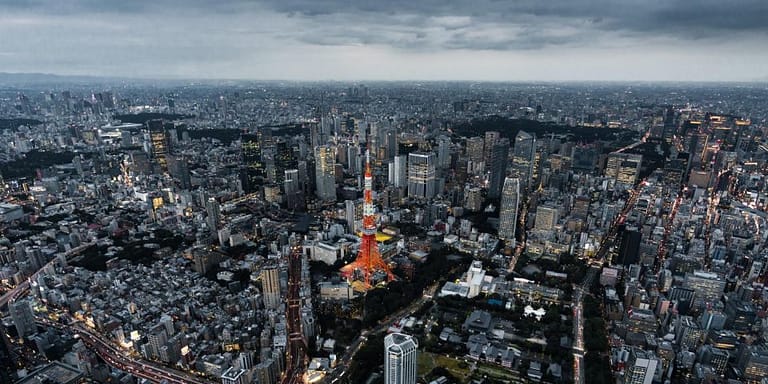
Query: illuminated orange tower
(368, 259)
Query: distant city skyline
(558, 40)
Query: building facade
(510, 198)
(421, 175)
(400, 359)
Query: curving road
(119, 359)
(111, 354)
(23, 288)
(345, 361)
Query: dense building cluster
(160, 223)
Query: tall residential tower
(510, 199)
(400, 359)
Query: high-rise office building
(294, 198)
(156, 339)
(715, 357)
(473, 199)
(284, 160)
(696, 146)
(683, 298)
(234, 376)
(510, 198)
(475, 155)
(712, 319)
(179, 170)
(254, 169)
(546, 218)
(325, 172)
(400, 359)
(23, 317)
(629, 247)
(498, 161)
(689, 334)
(741, 315)
(397, 171)
(523, 158)
(159, 143)
(641, 367)
(391, 142)
(270, 287)
(584, 157)
(491, 138)
(421, 175)
(213, 212)
(443, 152)
(709, 287)
(670, 125)
(350, 214)
(752, 361)
(623, 167)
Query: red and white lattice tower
(369, 259)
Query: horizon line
(373, 80)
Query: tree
(551, 316)
(598, 368)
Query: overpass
(22, 288)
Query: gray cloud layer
(342, 39)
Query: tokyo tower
(368, 260)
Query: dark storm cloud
(387, 39)
(682, 20)
(508, 25)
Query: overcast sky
(719, 40)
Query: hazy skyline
(389, 40)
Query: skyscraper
(397, 171)
(23, 317)
(254, 168)
(523, 158)
(400, 359)
(270, 287)
(670, 126)
(510, 198)
(421, 175)
(213, 212)
(325, 161)
(284, 160)
(752, 361)
(629, 247)
(499, 155)
(624, 167)
(294, 198)
(444, 152)
(350, 210)
(475, 155)
(641, 367)
(159, 143)
(491, 138)
(179, 169)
